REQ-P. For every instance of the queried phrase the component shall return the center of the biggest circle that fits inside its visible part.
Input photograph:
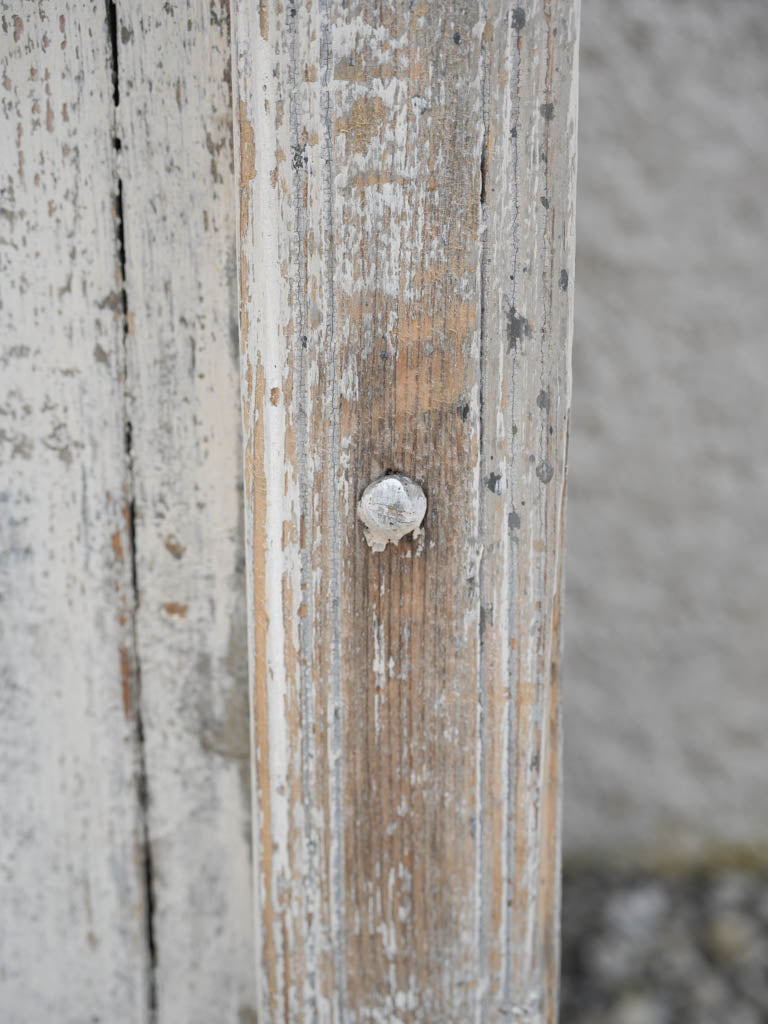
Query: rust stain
(175, 609)
(125, 682)
(117, 545)
(274, 396)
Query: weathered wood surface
(72, 938)
(406, 224)
(174, 122)
(124, 746)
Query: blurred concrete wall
(666, 656)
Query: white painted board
(72, 917)
(174, 122)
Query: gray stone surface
(686, 950)
(666, 647)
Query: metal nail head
(390, 508)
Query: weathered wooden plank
(530, 187)
(406, 223)
(175, 127)
(72, 942)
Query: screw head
(390, 508)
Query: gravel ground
(649, 950)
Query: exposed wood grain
(174, 122)
(72, 941)
(406, 226)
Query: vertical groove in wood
(405, 249)
(71, 845)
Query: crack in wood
(142, 779)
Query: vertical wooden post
(406, 263)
